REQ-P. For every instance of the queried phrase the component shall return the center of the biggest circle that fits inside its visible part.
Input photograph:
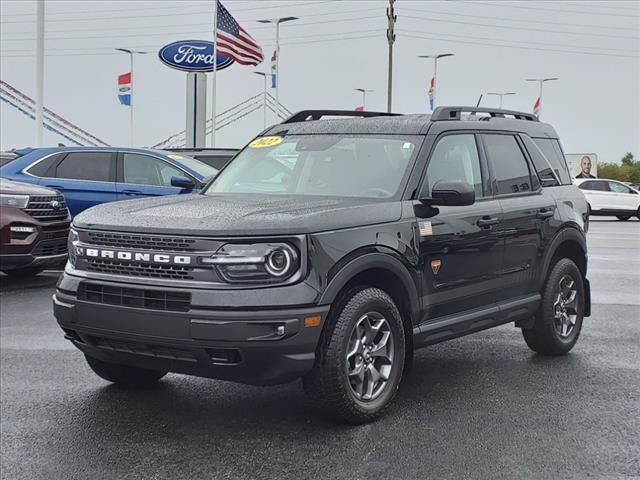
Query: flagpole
(131, 96)
(40, 73)
(215, 69)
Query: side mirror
(452, 193)
(182, 182)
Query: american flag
(425, 228)
(233, 41)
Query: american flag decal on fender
(425, 228)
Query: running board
(453, 326)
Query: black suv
(329, 249)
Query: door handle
(544, 213)
(132, 192)
(487, 221)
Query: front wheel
(133, 377)
(623, 218)
(558, 320)
(360, 358)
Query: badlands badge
(435, 266)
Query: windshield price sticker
(264, 142)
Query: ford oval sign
(192, 56)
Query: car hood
(237, 214)
(9, 187)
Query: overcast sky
(336, 46)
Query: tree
(627, 171)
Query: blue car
(89, 176)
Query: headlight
(71, 242)
(258, 262)
(17, 201)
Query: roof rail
(454, 113)
(306, 115)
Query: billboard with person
(583, 165)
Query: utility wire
(505, 19)
(584, 5)
(556, 10)
(519, 47)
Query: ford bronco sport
(329, 249)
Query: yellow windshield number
(264, 142)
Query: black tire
(546, 337)
(329, 385)
(638, 214)
(623, 218)
(25, 272)
(133, 377)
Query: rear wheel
(558, 320)
(624, 218)
(25, 272)
(360, 358)
(125, 375)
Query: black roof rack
(305, 115)
(453, 113)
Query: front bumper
(130, 324)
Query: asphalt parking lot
(479, 407)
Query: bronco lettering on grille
(133, 256)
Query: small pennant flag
(124, 89)
(274, 69)
(536, 107)
(360, 108)
(432, 89)
(425, 228)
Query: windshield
(195, 165)
(328, 165)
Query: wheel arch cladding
(381, 271)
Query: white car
(610, 197)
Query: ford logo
(56, 205)
(192, 56)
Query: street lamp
(432, 89)
(264, 99)
(364, 96)
(501, 94)
(131, 54)
(277, 22)
(537, 107)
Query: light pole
(364, 95)
(264, 98)
(537, 107)
(432, 90)
(40, 74)
(501, 94)
(131, 54)
(277, 22)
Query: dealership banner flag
(431, 90)
(274, 69)
(124, 89)
(536, 107)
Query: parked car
(610, 197)
(382, 235)
(214, 157)
(89, 176)
(34, 226)
(6, 157)
(635, 186)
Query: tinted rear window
(95, 166)
(553, 153)
(43, 167)
(510, 165)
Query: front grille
(46, 248)
(134, 297)
(140, 269)
(42, 207)
(141, 242)
(156, 351)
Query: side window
(145, 170)
(510, 165)
(595, 186)
(618, 187)
(43, 168)
(553, 153)
(548, 174)
(95, 166)
(455, 157)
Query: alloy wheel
(565, 307)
